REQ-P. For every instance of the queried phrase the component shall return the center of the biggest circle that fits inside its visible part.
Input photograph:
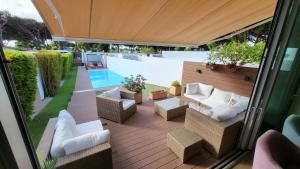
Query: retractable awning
(152, 22)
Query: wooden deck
(140, 142)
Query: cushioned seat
(274, 151)
(211, 103)
(197, 97)
(217, 98)
(127, 103)
(89, 127)
(70, 138)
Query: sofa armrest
(99, 156)
(107, 102)
(45, 143)
(128, 95)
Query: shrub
(147, 50)
(23, 70)
(234, 52)
(50, 65)
(175, 83)
(135, 84)
(67, 64)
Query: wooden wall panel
(233, 82)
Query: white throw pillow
(235, 98)
(220, 96)
(64, 114)
(192, 88)
(64, 131)
(114, 93)
(205, 89)
(200, 109)
(224, 112)
(85, 141)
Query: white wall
(159, 71)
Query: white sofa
(215, 103)
(70, 137)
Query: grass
(60, 101)
(149, 88)
(152, 87)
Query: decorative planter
(160, 94)
(138, 97)
(231, 68)
(212, 67)
(176, 91)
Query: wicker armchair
(98, 157)
(112, 109)
(219, 137)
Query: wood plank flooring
(140, 142)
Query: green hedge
(50, 67)
(23, 70)
(67, 64)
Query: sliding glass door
(278, 79)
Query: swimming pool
(104, 78)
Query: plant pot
(212, 67)
(160, 94)
(231, 68)
(138, 97)
(176, 91)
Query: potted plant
(175, 88)
(135, 84)
(212, 57)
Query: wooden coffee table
(170, 108)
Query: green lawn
(152, 87)
(60, 101)
(149, 88)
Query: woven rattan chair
(219, 137)
(98, 157)
(112, 109)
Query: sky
(21, 8)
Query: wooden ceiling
(161, 22)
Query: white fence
(157, 70)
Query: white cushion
(114, 93)
(64, 130)
(192, 88)
(205, 89)
(200, 109)
(85, 141)
(127, 103)
(197, 97)
(89, 127)
(224, 112)
(241, 106)
(64, 114)
(211, 102)
(220, 96)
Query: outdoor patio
(140, 142)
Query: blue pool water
(104, 78)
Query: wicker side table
(184, 143)
(170, 108)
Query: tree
(95, 47)
(3, 20)
(26, 30)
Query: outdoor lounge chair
(97, 157)
(116, 109)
